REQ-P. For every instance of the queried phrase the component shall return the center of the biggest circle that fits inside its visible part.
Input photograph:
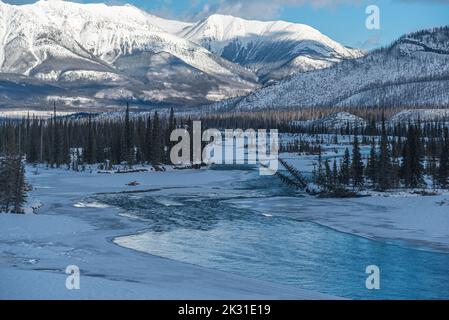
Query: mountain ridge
(403, 73)
(103, 55)
(272, 49)
(110, 46)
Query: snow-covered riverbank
(71, 229)
(36, 249)
(401, 216)
(415, 221)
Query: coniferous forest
(412, 161)
(403, 155)
(75, 143)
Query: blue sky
(342, 20)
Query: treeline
(128, 140)
(431, 129)
(392, 163)
(78, 142)
(404, 154)
(288, 121)
(13, 187)
(62, 142)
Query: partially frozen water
(209, 228)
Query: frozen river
(270, 242)
(251, 230)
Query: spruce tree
(384, 166)
(335, 173)
(90, 149)
(443, 168)
(412, 167)
(33, 143)
(328, 176)
(56, 153)
(12, 184)
(156, 150)
(371, 168)
(149, 140)
(18, 185)
(345, 169)
(357, 164)
(320, 175)
(5, 185)
(128, 144)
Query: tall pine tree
(357, 164)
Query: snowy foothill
(384, 77)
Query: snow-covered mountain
(96, 55)
(110, 53)
(102, 55)
(414, 70)
(272, 49)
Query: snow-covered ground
(36, 249)
(400, 216)
(72, 229)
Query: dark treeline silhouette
(74, 143)
(289, 121)
(58, 141)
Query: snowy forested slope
(414, 70)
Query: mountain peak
(272, 49)
(220, 16)
(245, 26)
(122, 52)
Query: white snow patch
(89, 76)
(90, 205)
